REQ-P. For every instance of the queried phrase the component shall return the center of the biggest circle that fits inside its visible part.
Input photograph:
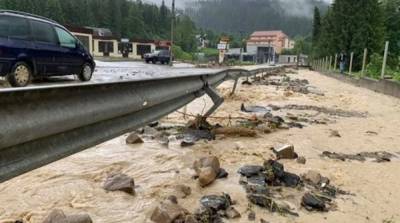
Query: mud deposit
(363, 122)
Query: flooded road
(75, 184)
(123, 71)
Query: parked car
(33, 46)
(162, 56)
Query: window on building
(143, 49)
(43, 32)
(65, 39)
(106, 47)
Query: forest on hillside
(126, 18)
(240, 17)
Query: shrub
(179, 54)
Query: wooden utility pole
(171, 62)
(385, 60)
(351, 63)
(364, 61)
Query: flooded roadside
(75, 184)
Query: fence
(383, 85)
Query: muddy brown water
(74, 184)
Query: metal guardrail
(42, 125)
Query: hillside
(243, 17)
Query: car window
(4, 26)
(43, 32)
(14, 27)
(65, 39)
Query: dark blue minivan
(32, 46)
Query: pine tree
(316, 25)
(54, 11)
(392, 23)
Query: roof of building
(268, 33)
(77, 29)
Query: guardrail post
(212, 93)
(235, 84)
(364, 61)
(351, 63)
(330, 63)
(385, 60)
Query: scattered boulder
(210, 161)
(207, 175)
(222, 174)
(301, 160)
(207, 215)
(335, 133)
(186, 142)
(250, 170)
(120, 182)
(285, 152)
(173, 199)
(312, 202)
(208, 169)
(232, 213)
(274, 121)
(216, 202)
(254, 109)
(55, 216)
(312, 177)
(58, 216)
(273, 169)
(168, 212)
(133, 139)
(290, 179)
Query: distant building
(102, 42)
(266, 45)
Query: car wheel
(86, 73)
(154, 61)
(147, 61)
(20, 75)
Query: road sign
(221, 46)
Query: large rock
(168, 212)
(120, 182)
(312, 177)
(216, 202)
(312, 202)
(301, 160)
(285, 152)
(222, 174)
(232, 213)
(250, 170)
(133, 139)
(290, 179)
(58, 216)
(274, 168)
(210, 161)
(55, 216)
(207, 176)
